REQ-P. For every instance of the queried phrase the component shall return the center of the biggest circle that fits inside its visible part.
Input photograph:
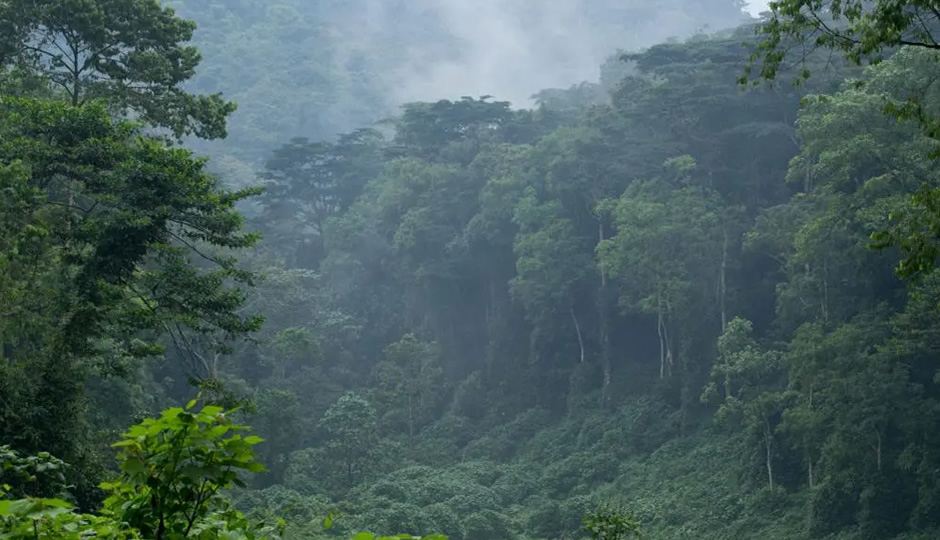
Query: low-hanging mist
(315, 69)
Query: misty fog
(382, 53)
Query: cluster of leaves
(174, 469)
(865, 33)
(40, 473)
(611, 524)
(132, 55)
(36, 519)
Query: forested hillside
(663, 297)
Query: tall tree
(743, 383)
(408, 383)
(110, 250)
(132, 54)
(310, 182)
(350, 431)
(666, 252)
(862, 30)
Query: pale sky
(756, 6)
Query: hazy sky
(514, 48)
(389, 52)
(757, 6)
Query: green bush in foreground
(173, 471)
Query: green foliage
(40, 474)
(611, 524)
(350, 433)
(97, 256)
(173, 470)
(867, 32)
(733, 240)
(450, 131)
(861, 31)
(310, 182)
(408, 384)
(666, 240)
(371, 536)
(131, 55)
(35, 519)
(488, 322)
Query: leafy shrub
(608, 523)
(173, 470)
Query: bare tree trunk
(577, 328)
(604, 325)
(411, 416)
(605, 358)
(213, 366)
(722, 283)
(491, 311)
(76, 74)
(70, 188)
(605, 346)
(807, 167)
(662, 345)
(877, 448)
(809, 453)
(669, 358)
(812, 480)
(768, 445)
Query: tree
(310, 182)
(866, 32)
(113, 242)
(743, 382)
(450, 130)
(409, 381)
(174, 469)
(291, 350)
(610, 523)
(131, 54)
(128, 214)
(279, 420)
(668, 244)
(350, 431)
(550, 265)
(862, 30)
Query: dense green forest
(686, 298)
